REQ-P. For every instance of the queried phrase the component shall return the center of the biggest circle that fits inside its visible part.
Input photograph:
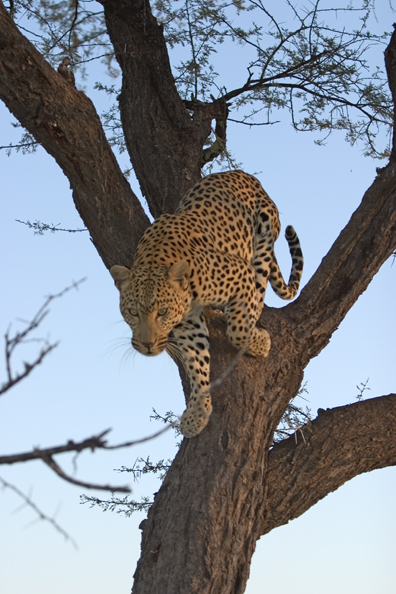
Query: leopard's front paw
(196, 417)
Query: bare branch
(11, 343)
(58, 470)
(41, 515)
(92, 443)
(28, 367)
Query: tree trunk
(226, 487)
(219, 497)
(160, 135)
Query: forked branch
(96, 442)
(27, 501)
(22, 337)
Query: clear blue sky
(93, 381)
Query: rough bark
(390, 63)
(340, 444)
(227, 487)
(160, 135)
(346, 271)
(64, 121)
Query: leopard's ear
(179, 273)
(121, 275)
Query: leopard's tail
(289, 290)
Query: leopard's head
(152, 301)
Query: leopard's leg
(242, 314)
(193, 346)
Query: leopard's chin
(149, 350)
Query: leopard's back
(226, 207)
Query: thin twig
(11, 343)
(58, 470)
(40, 514)
(39, 227)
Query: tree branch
(91, 443)
(21, 337)
(60, 472)
(390, 64)
(174, 147)
(64, 121)
(339, 444)
(41, 515)
(366, 242)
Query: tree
(229, 486)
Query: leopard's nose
(148, 345)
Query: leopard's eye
(133, 311)
(163, 311)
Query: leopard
(216, 250)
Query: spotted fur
(217, 249)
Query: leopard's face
(153, 301)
